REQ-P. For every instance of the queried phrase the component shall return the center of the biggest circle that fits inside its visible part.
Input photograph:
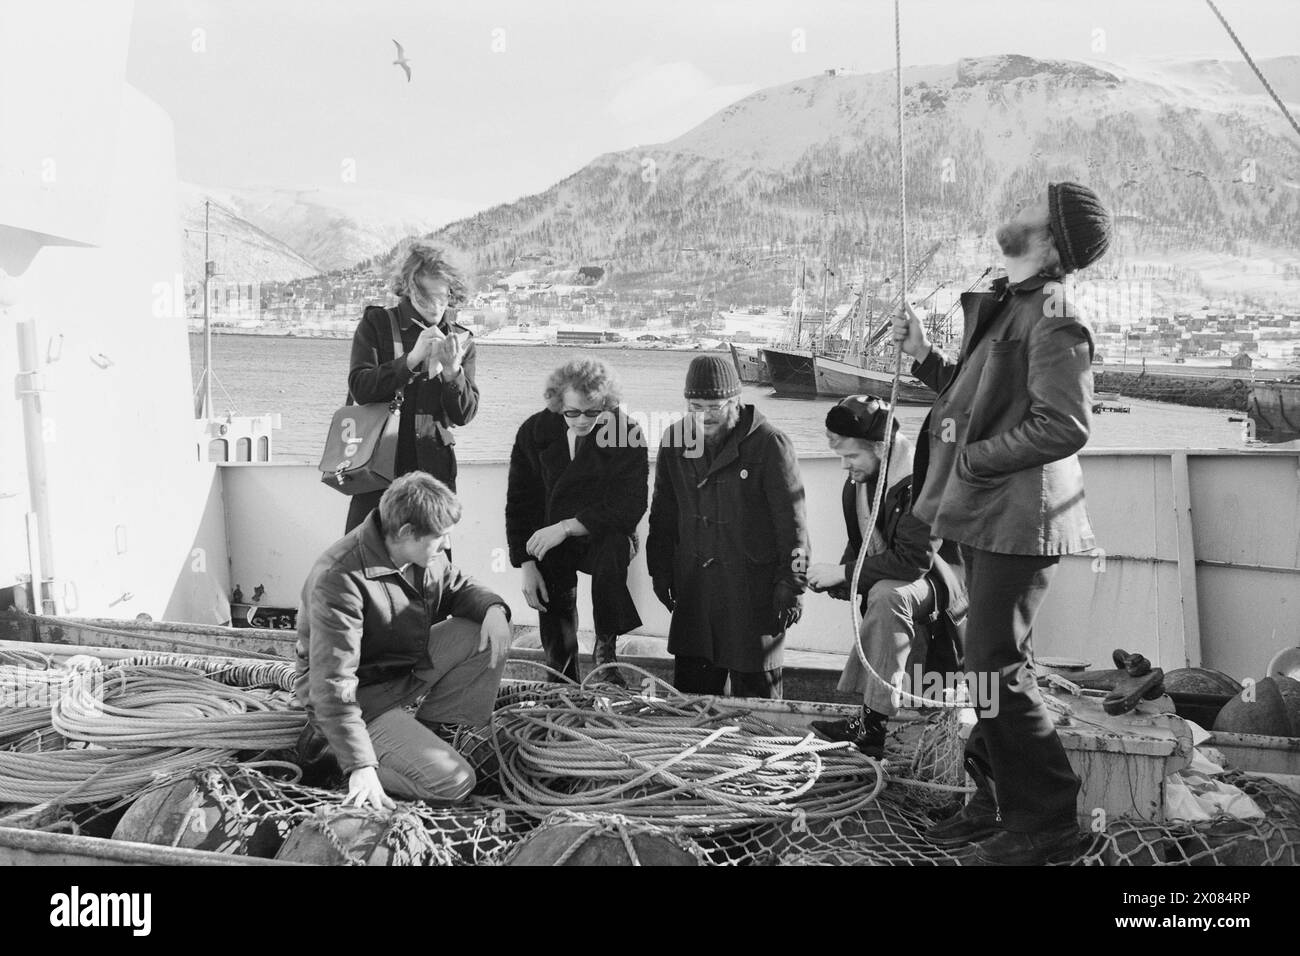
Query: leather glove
(787, 606)
(663, 587)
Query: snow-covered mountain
(326, 228)
(241, 251)
(1200, 167)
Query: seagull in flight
(402, 61)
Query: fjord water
(305, 379)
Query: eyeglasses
(578, 412)
(711, 407)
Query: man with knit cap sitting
(728, 544)
(906, 578)
(998, 474)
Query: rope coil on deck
(172, 706)
(675, 760)
(89, 734)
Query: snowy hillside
(334, 228)
(1201, 168)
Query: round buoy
(1238, 843)
(1270, 707)
(198, 813)
(600, 843)
(362, 838)
(1200, 680)
(1285, 663)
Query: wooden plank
(37, 848)
(1257, 753)
(151, 635)
(1188, 600)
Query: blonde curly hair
(589, 377)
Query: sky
(509, 96)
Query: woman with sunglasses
(578, 486)
(434, 373)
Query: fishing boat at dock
(1274, 408)
(792, 372)
(837, 378)
(750, 365)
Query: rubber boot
(558, 628)
(604, 653)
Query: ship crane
(872, 339)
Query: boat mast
(825, 315)
(798, 312)
(205, 408)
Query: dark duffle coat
(727, 532)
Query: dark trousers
(1014, 740)
(361, 507)
(606, 558)
(699, 675)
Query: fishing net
(414, 834)
(730, 784)
(1224, 840)
(578, 839)
(597, 771)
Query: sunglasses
(577, 412)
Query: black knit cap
(711, 376)
(1080, 224)
(860, 416)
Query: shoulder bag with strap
(361, 448)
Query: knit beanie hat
(860, 416)
(712, 377)
(1080, 224)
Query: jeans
(458, 686)
(892, 644)
(1014, 739)
(698, 675)
(606, 558)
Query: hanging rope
(1258, 72)
(855, 611)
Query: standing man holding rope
(997, 472)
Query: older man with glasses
(728, 543)
(579, 477)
